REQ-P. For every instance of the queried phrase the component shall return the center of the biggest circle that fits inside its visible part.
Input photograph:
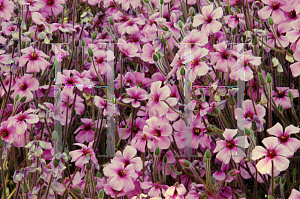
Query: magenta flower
(295, 67)
(136, 95)
(109, 190)
(86, 131)
(198, 67)
(128, 158)
(192, 42)
(284, 138)
(53, 7)
(139, 141)
(231, 147)
(35, 59)
(223, 57)
(121, 177)
(175, 192)
(7, 133)
(155, 188)
(131, 26)
(129, 3)
(128, 49)
(159, 131)
(4, 58)
(273, 8)
(80, 156)
(148, 51)
(275, 152)
(281, 96)
(105, 105)
(101, 59)
(6, 9)
(22, 120)
(209, 19)
(281, 31)
(135, 129)
(234, 20)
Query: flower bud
(231, 101)
(207, 154)
(177, 82)
(101, 194)
(282, 180)
(26, 190)
(77, 190)
(163, 27)
(82, 42)
(165, 159)
(159, 55)
(270, 197)
(247, 132)
(262, 79)
(52, 74)
(111, 21)
(1, 143)
(55, 162)
(157, 151)
(180, 24)
(269, 78)
(280, 108)
(108, 28)
(192, 11)
(277, 180)
(216, 111)
(23, 99)
(204, 158)
(54, 135)
(271, 21)
(172, 167)
(17, 97)
(41, 181)
(163, 40)
(76, 42)
(290, 94)
(154, 57)
(294, 171)
(185, 163)
(234, 172)
(98, 174)
(255, 40)
(161, 2)
(254, 127)
(182, 70)
(234, 31)
(146, 1)
(90, 51)
(88, 166)
(31, 138)
(210, 130)
(213, 181)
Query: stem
(49, 186)
(124, 130)
(272, 178)
(2, 173)
(86, 182)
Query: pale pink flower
(294, 194)
(274, 152)
(281, 96)
(128, 49)
(7, 133)
(131, 26)
(128, 158)
(86, 131)
(231, 147)
(136, 95)
(175, 192)
(6, 9)
(198, 66)
(53, 7)
(284, 138)
(80, 156)
(273, 8)
(22, 120)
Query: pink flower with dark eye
(234, 20)
(53, 7)
(281, 96)
(139, 141)
(4, 58)
(148, 51)
(230, 148)
(80, 156)
(112, 192)
(209, 19)
(295, 67)
(136, 95)
(131, 26)
(223, 57)
(159, 131)
(7, 133)
(6, 9)
(35, 59)
(284, 138)
(121, 177)
(101, 61)
(86, 131)
(198, 67)
(280, 31)
(22, 120)
(25, 86)
(273, 152)
(273, 8)
(105, 105)
(128, 49)
(155, 188)
(129, 3)
(128, 158)
(192, 42)
(175, 192)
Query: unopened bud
(207, 154)
(294, 171)
(254, 127)
(213, 181)
(290, 95)
(172, 167)
(165, 159)
(234, 172)
(90, 51)
(182, 70)
(154, 56)
(161, 2)
(52, 74)
(192, 11)
(23, 99)
(146, 1)
(262, 79)
(77, 190)
(76, 42)
(157, 151)
(31, 138)
(282, 180)
(234, 31)
(98, 174)
(269, 78)
(111, 21)
(108, 28)
(82, 42)
(54, 135)
(17, 97)
(26, 190)
(88, 166)
(185, 163)
(280, 108)
(55, 162)
(216, 111)
(164, 27)
(231, 101)
(159, 55)
(255, 40)
(180, 24)
(101, 194)
(247, 132)
(1, 143)
(271, 21)
(277, 180)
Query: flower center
(293, 14)
(70, 81)
(33, 56)
(23, 87)
(144, 137)
(275, 5)
(86, 152)
(50, 2)
(225, 56)
(283, 138)
(249, 115)
(4, 133)
(208, 19)
(1, 6)
(271, 154)
(157, 133)
(100, 60)
(21, 117)
(136, 129)
(196, 131)
(87, 127)
(122, 173)
(230, 144)
(155, 98)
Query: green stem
(124, 130)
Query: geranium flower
(53, 7)
(105, 105)
(280, 31)
(120, 177)
(294, 194)
(136, 95)
(273, 8)
(160, 131)
(274, 152)
(131, 26)
(139, 141)
(155, 188)
(6, 9)
(137, 128)
(80, 156)
(35, 59)
(208, 19)
(109, 190)
(234, 20)
(22, 120)
(229, 148)
(281, 96)
(284, 138)
(175, 192)
(25, 86)
(7, 133)
(128, 49)
(198, 67)
(86, 131)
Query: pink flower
(25, 86)
(208, 19)
(198, 67)
(101, 59)
(129, 3)
(35, 58)
(229, 148)
(175, 192)
(103, 104)
(294, 194)
(222, 57)
(284, 138)
(22, 120)
(281, 96)
(148, 51)
(274, 152)
(7, 133)
(53, 7)
(120, 177)
(233, 20)
(192, 42)
(128, 49)
(86, 131)
(135, 129)
(280, 30)
(4, 58)
(136, 95)
(274, 7)
(139, 141)
(295, 67)
(155, 188)
(80, 156)
(6, 9)
(109, 190)
(159, 131)
(131, 26)
(128, 158)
